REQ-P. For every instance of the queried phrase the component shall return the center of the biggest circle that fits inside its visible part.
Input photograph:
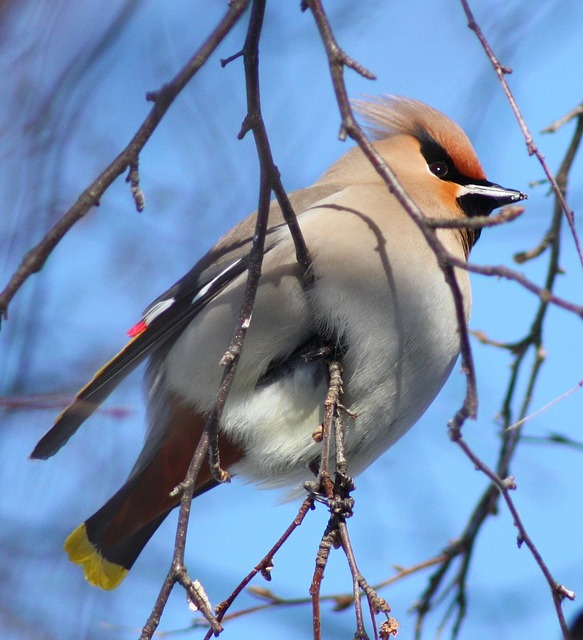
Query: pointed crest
(394, 115)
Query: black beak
(480, 199)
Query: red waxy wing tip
(137, 329)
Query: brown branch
(340, 503)
(337, 531)
(264, 566)
(577, 112)
(376, 603)
(322, 556)
(349, 127)
(177, 572)
(336, 494)
(341, 600)
(331, 428)
(337, 61)
(269, 179)
(357, 580)
(504, 486)
(254, 121)
(561, 179)
(544, 294)
(502, 482)
(507, 214)
(533, 149)
(34, 260)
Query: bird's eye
(439, 169)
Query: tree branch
(533, 149)
(502, 481)
(35, 259)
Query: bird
(377, 297)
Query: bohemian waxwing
(378, 295)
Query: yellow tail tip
(98, 571)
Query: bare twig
(547, 406)
(561, 179)
(349, 127)
(269, 179)
(264, 566)
(337, 60)
(502, 482)
(508, 214)
(322, 556)
(525, 256)
(544, 294)
(254, 121)
(341, 600)
(501, 72)
(337, 492)
(177, 572)
(332, 418)
(557, 124)
(337, 502)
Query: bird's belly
(275, 426)
(391, 375)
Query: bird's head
(434, 159)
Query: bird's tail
(108, 543)
(106, 565)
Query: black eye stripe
(436, 156)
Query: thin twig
(337, 61)
(561, 179)
(324, 548)
(253, 122)
(349, 127)
(265, 564)
(501, 72)
(505, 485)
(269, 179)
(507, 214)
(341, 601)
(544, 294)
(546, 407)
(177, 572)
(557, 124)
(502, 482)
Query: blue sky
(71, 102)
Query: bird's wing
(169, 314)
